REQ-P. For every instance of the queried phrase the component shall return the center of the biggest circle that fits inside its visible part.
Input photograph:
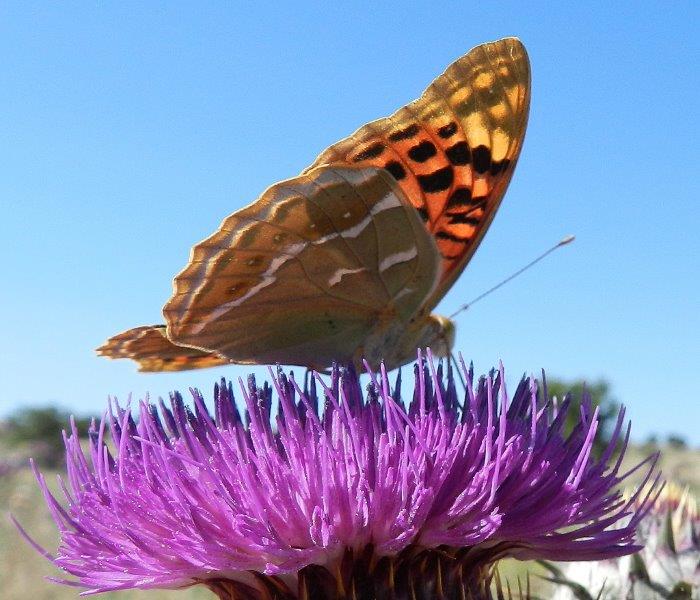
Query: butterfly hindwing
(153, 351)
(307, 271)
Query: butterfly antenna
(563, 242)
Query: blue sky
(131, 129)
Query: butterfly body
(395, 343)
(348, 259)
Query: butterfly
(347, 260)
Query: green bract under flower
(341, 494)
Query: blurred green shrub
(36, 432)
(601, 396)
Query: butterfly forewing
(454, 149)
(306, 272)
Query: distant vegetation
(36, 432)
(602, 397)
(599, 392)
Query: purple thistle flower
(361, 498)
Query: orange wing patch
(154, 352)
(454, 149)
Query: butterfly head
(439, 335)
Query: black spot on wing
(459, 154)
(438, 181)
(396, 169)
(463, 218)
(372, 151)
(499, 166)
(422, 152)
(423, 213)
(404, 134)
(481, 157)
(462, 196)
(447, 131)
(479, 201)
(444, 235)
